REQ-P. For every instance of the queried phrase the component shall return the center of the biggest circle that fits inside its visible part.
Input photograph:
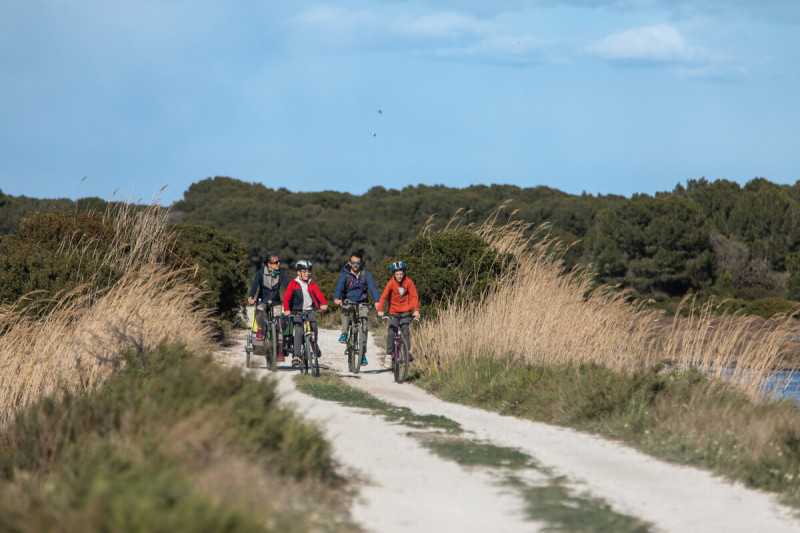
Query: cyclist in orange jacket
(403, 300)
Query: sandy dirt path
(439, 495)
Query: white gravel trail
(407, 488)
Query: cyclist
(302, 294)
(402, 296)
(267, 287)
(354, 284)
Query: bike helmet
(398, 265)
(302, 265)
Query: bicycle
(254, 345)
(400, 357)
(309, 362)
(356, 346)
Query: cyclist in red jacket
(402, 296)
(302, 294)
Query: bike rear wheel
(400, 365)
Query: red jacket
(293, 299)
(408, 301)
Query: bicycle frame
(310, 362)
(356, 334)
(400, 356)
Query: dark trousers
(298, 332)
(402, 320)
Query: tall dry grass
(538, 314)
(80, 338)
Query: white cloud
(662, 43)
(442, 34)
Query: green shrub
(53, 252)
(767, 307)
(223, 267)
(444, 265)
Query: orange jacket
(400, 303)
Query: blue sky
(611, 97)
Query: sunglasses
(273, 262)
(355, 262)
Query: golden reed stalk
(80, 338)
(536, 313)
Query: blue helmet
(398, 265)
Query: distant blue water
(792, 390)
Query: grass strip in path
(330, 387)
(550, 502)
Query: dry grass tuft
(538, 314)
(80, 338)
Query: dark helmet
(303, 264)
(398, 265)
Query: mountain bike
(356, 346)
(268, 345)
(400, 359)
(309, 363)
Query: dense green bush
(223, 267)
(53, 252)
(444, 265)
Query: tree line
(707, 237)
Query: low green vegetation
(172, 442)
(680, 416)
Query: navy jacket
(351, 288)
(268, 287)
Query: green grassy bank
(171, 443)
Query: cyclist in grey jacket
(267, 288)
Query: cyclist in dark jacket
(355, 284)
(266, 288)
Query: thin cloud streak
(662, 43)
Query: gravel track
(404, 487)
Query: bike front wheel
(400, 365)
(247, 349)
(272, 353)
(312, 361)
(357, 353)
